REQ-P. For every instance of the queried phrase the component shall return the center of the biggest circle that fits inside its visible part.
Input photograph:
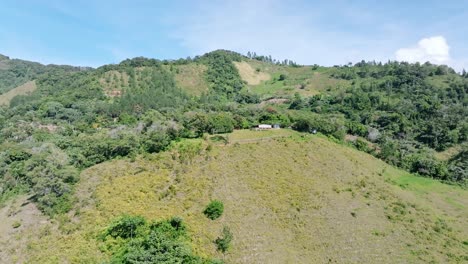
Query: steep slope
(289, 198)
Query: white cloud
(433, 49)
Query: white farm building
(266, 127)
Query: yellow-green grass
(440, 81)
(20, 219)
(191, 78)
(239, 136)
(249, 74)
(305, 80)
(24, 89)
(291, 198)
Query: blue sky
(94, 33)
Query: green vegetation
(223, 242)
(214, 210)
(75, 115)
(275, 209)
(221, 74)
(14, 72)
(23, 89)
(159, 242)
(146, 116)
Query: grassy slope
(314, 81)
(289, 198)
(251, 75)
(20, 222)
(24, 89)
(191, 78)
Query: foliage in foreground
(131, 240)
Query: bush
(220, 123)
(328, 125)
(425, 165)
(155, 142)
(223, 243)
(458, 166)
(214, 210)
(361, 145)
(125, 227)
(164, 241)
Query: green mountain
(118, 164)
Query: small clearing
(24, 89)
(191, 78)
(250, 75)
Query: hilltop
(96, 165)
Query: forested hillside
(14, 72)
(404, 114)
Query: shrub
(164, 241)
(458, 165)
(328, 125)
(214, 209)
(220, 123)
(361, 145)
(156, 141)
(125, 227)
(223, 243)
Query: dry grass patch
(191, 78)
(20, 222)
(250, 75)
(24, 89)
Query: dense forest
(78, 117)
